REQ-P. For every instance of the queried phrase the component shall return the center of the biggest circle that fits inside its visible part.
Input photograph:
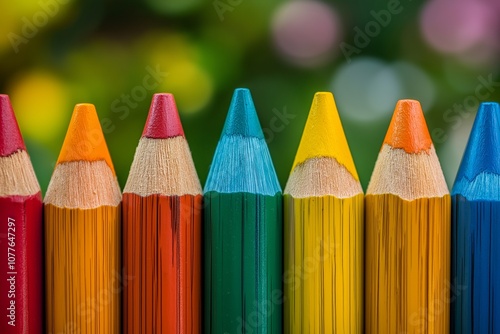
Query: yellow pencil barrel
(324, 264)
(324, 230)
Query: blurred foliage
(117, 54)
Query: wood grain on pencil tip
(83, 233)
(21, 274)
(407, 165)
(162, 229)
(325, 135)
(475, 262)
(243, 231)
(481, 160)
(323, 220)
(407, 219)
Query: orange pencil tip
(408, 129)
(84, 139)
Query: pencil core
(10, 135)
(324, 135)
(242, 117)
(482, 151)
(163, 118)
(408, 129)
(84, 140)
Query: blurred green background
(117, 54)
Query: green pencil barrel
(243, 268)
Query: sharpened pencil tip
(323, 135)
(482, 153)
(242, 162)
(163, 118)
(408, 129)
(242, 117)
(84, 139)
(323, 105)
(10, 135)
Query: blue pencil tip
(242, 118)
(242, 162)
(482, 154)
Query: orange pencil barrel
(407, 240)
(83, 233)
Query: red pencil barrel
(21, 265)
(162, 260)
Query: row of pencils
(240, 256)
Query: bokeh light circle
(187, 78)
(305, 32)
(193, 87)
(455, 27)
(366, 89)
(416, 84)
(40, 102)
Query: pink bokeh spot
(306, 31)
(456, 26)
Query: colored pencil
(243, 229)
(21, 237)
(476, 230)
(82, 233)
(407, 232)
(162, 204)
(323, 230)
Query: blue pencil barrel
(475, 224)
(475, 266)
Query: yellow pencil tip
(327, 95)
(84, 139)
(324, 136)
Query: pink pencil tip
(10, 135)
(163, 119)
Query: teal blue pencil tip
(242, 118)
(242, 162)
(482, 154)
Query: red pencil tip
(10, 135)
(163, 119)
